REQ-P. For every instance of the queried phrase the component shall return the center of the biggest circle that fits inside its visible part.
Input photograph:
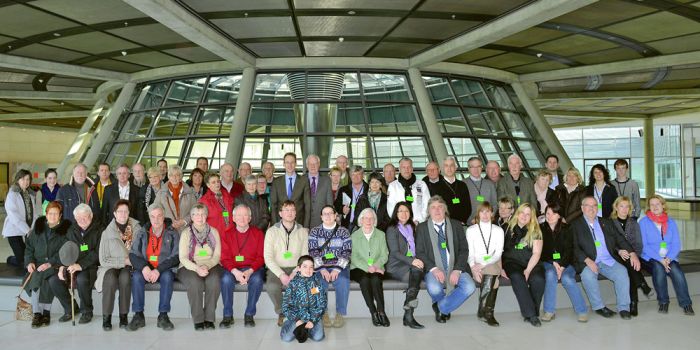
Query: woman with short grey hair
(176, 198)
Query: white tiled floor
(648, 331)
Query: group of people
(296, 234)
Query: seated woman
(558, 260)
(403, 264)
(200, 272)
(521, 257)
(485, 241)
(369, 254)
(43, 243)
(115, 268)
(304, 303)
(628, 227)
(662, 244)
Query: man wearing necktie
(447, 278)
(291, 187)
(319, 189)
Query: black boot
(375, 320)
(648, 292)
(36, 321)
(383, 319)
(410, 321)
(634, 311)
(107, 322)
(123, 320)
(490, 305)
(483, 294)
(411, 299)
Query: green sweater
(363, 250)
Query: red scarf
(659, 219)
(176, 196)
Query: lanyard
(599, 195)
(474, 183)
(619, 184)
(486, 245)
(355, 197)
(444, 230)
(592, 229)
(449, 185)
(155, 240)
(240, 248)
(289, 233)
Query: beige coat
(209, 257)
(113, 252)
(187, 201)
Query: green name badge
(600, 206)
(455, 200)
(225, 214)
(556, 256)
(487, 257)
(518, 200)
(352, 206)
(597, 243)
(83, 247)
(520, 246)
(663, 245)
(153, 258)
(443, 245)
(479, 198)
(409, 198)
(287, 255)
(202, 252)
(329, 256)
(370, 261)
(409, 254)
(239, 258)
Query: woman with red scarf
(662, 244)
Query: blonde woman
(485, 241)
(570, 194)
(521, 262)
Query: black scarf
(120, 227)
(407, 183)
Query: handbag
(23, 312)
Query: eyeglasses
(590, 205)
(327, 214)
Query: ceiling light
(62, 103)
(454, 16)
(245, 14)
(56, 34)
(9, 47)
(351, 12)
(539, 54)
(341, 39)
(126, 24)
(123, 53)
(41, 80)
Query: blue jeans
(287, 332)
(568, 281)
(680, 285)
(138, 290)
(342, 290)
(255, 287)
(448, 303)
(618, 275)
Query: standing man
(268, 169)
(104, 179)
(454, 192)
(79, 190)
(203, 164)
(599, 249)
(409, 189)
(352, 198)
(442, 247)
(493, 171)
(163, 167)
(291, 187)
(627, 187)
(433, 177)
(285, 242)
(122, 189)
(389, 173)
(552, 165)
(138, 176)
(319, 189)
(480, 190)
(242, 258)
(516, 186)
(342, 163)
(244, 170)
(233, 188)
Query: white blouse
(477, 244)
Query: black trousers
(371, 287)
(528, 292)
(18, 248)
(636, 279)
(60, 291)
(85, 280)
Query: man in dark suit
(291, 187)
(552, 164)
(121, 189)
(352, 198)
(599, 249)
(442, 246)
(319, 189)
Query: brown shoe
(338, 321)
(280, 320)
(327, 320)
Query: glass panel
(223, 88)
(200, 148)
(351, 87)
(271, 149)
(439, 90)
(271, 87)
(137, 126)
(385, 87)
(490, 150)
(151, 96)
(393, 118)
(499, 96)
(173, 122)
(462, 149)
(450, 119)
(186, 91)
(212, 119)
(273, 118)
(155, 150)
(484, 122)
(174, 149)
(531, 154)
(470, 92)
(355, 148)
(350, 118)
(389, 149)
(515, 124)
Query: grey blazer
(506, 188)
(632, 233)
(323, 197)
(399, 264)
(300, 195)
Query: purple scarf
(407, 232)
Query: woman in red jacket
(219, 204)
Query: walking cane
(68, 254)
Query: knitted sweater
(336, 253)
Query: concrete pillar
(649, 167)
(543, 128)
(108, 124)
(426, 108)
(81, 141)
(240, 117)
